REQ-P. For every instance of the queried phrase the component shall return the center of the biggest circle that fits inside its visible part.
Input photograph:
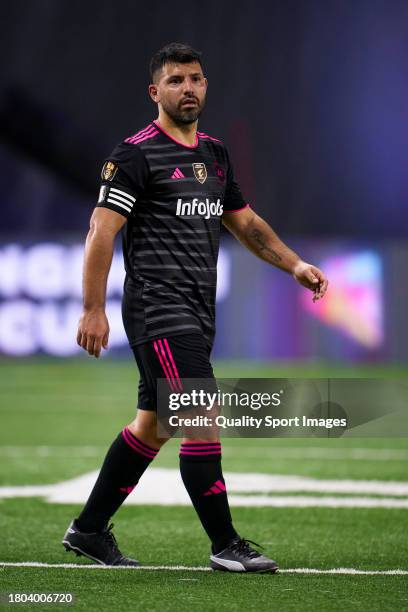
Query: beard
(185, 116)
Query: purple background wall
(311, 98)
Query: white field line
(308, 501)
(278, 452)
(51, 451)
(333, 454)
(163, 487)
(182, 568)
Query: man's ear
(153, 93)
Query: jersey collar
(194, 146)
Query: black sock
(200, 467)
(125, 462)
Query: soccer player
(168, 188)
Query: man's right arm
(93, 327)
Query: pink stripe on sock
(166, 344)
(215, 489)
(132, 440)
(183, 452)
(145, 446)
(198, 442)
(139, 449)
(135, 448)
(200, 448)
(220, 485)
(169, 379)
(133, 444)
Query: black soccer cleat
(239, 556)
(100, 546)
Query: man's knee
(144, 427)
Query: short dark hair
(173, 53)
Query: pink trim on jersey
(174, 139)
(145, 137)
(203, 135)
(169, 378)
(173, 363)
(149, 132)
(140, 133)
(238, 209)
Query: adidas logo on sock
(177, 174)
(127, 489)
(218, 487)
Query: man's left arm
(254, 233)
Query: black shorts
(175, 358)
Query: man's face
(180, 90)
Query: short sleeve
(123, 178)
(233, 200)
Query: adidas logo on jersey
(177, 174)
(205, 209)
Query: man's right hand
(93, 331)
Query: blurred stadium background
(311, 99)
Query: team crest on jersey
(108, 171)
(200, 172)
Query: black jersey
(173, 196)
